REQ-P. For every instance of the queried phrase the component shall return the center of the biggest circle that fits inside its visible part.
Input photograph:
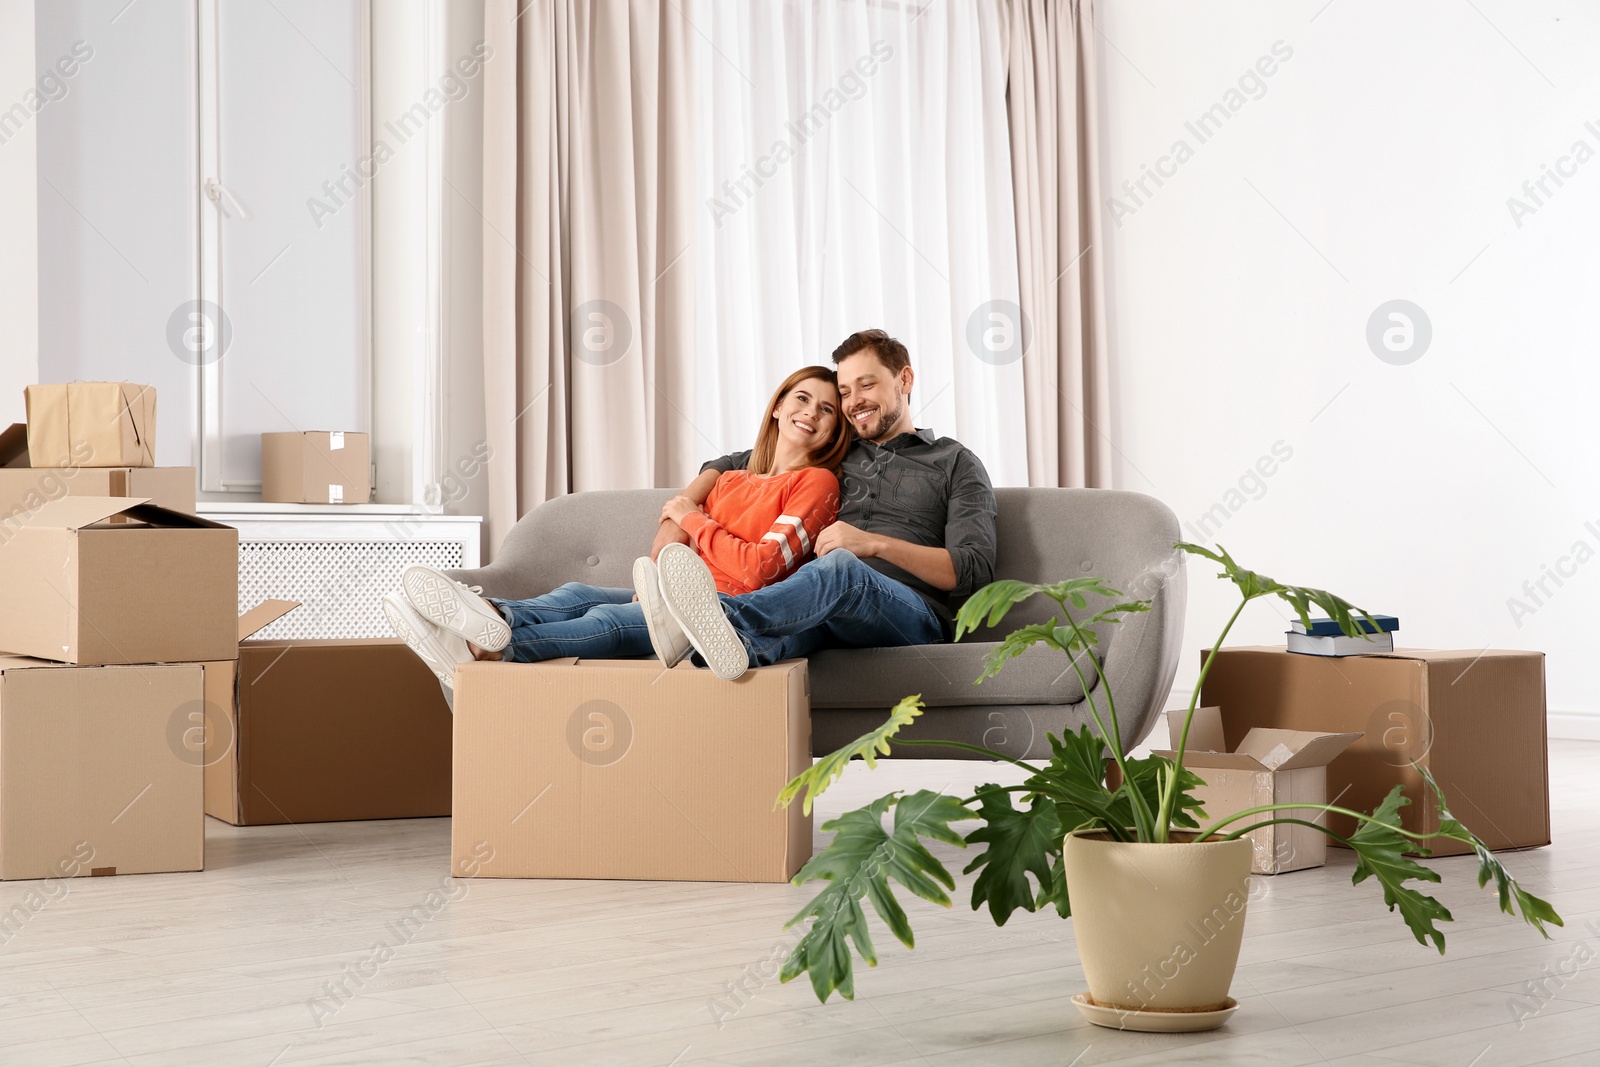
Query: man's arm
(965, 564)
(933, 565)
(969, 529)
(696, 491)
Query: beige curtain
(1050, 98)
(588, 222)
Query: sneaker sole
(406, 632)
(648, 587)
(437, 599)
(691, 597)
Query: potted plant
(1157, 901)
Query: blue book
(1329, 628)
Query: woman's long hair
(828, 453)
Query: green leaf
(1534, 911)
(1146, 775)
(1075, 779)
(820, 775)
(1016, 643)
(994, 601)
(1379, 854)
(1020, 843)
(859, 862)
(1055, 892)
(1300, 597)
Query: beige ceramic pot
(1158, 926)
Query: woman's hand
(675, 509)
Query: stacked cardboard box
(111, 607)
(87, 439)
(1473, 718)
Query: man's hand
(695, 494)
(933, 565)
(675, 509)
(668, 533)
(843, 535)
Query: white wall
(1375, 165)
(19, 248)
(428, 419)
(116, 202)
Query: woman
(757, 527)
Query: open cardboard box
(323, 730)
(622, 769)
(1259, 773)
(94, 778)
(159, 586)
(23, 488)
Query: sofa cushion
(943, 674)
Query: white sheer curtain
(854, 170)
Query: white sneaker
(666, 636)
(455, 607)
(440, 649)
(690, 593)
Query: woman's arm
(809, 505)
(697, 491)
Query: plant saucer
(1154, 1022)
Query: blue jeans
(575, 620)
(835, 601)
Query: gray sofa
(1046, 535)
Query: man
(916, 528)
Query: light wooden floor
(225, 967)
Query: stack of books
(1324, 638)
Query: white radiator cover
(337, 562)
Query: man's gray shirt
(920, 488)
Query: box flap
(1320, 751)
(157, 515)
(1220, 760)
(1205, 730)
(263, 615)
(76, 512)
(1311, 748)
(14, 445)
(9, 662)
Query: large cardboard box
(323, 731)
(316, 467)
(24, 488)
(158, 586)
(91, 424)
(93, 777)
(620, 769)
(1268, 767)
(1474, 719)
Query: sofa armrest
(1141, 659)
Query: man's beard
(885, 420)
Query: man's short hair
(891, 353)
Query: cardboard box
(1475, 719)
(316, 467)
(91, 424)
(620, 769)
(92, 777)
(323, 731)
(24, 488)
(1257, 773)
(158, 587)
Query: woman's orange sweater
(756, 529)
